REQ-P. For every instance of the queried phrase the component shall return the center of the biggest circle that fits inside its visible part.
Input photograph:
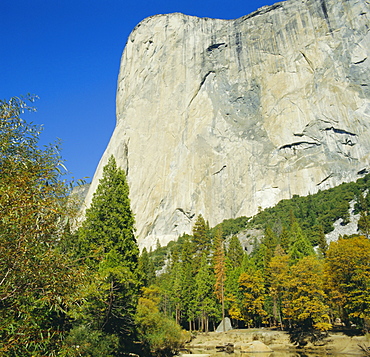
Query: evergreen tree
(299, 244)
(321, 240)
(108, 245)
(206, 303)
(146, 268)
(363, 225)
(235, 251)
(188, 271)
(109, 222)
(220, 272)
(201, 238)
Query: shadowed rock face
(220, 117)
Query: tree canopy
(37, 281)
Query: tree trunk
(223, 307)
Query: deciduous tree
(304, 301)
(348, 272)
(37, 281)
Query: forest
(69, 289)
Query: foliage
(146, 268)
(201, 239)
(107, 245)
(348, 274)
(37, 281)
(235, 251)
(278, 277)
(251, 301)
(205, 300)
(294, 235)
(162, 335)
(304, 298)
(82, 341)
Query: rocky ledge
(266, 341)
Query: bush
(82, 341)
(161, 334)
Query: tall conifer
(108, 245)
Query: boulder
(227, 324)
(252, 347)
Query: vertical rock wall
(220, 117)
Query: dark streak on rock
(188, 215)
(217, 172)
(362, 61)
(204, 79)
(238, 43)
(363, 171)
(325, 12)
(200, 85)
(339, 131)
(308, 61)
(216, 46)
(326, 178)
(297, 144)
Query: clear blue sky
(68, 52)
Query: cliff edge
(220, 117)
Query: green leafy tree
(108, 246)
(363, 224)
(37, 282)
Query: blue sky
(68, 52)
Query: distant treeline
(291, 279)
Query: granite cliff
(220, 117)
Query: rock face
(220, 117)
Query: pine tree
(204, 283)
(187, 282)
(201, 239)
(108, 245)
(220, 272)
(363, 224)
(146, 268)
(235, 251)
(299, 244)
(109, 222)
